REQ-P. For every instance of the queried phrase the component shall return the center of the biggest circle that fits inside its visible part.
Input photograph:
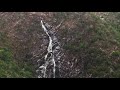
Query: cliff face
(89, 42)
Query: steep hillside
(89, 43)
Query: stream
(47, 65)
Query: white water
(49, 58)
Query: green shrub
(9, 68)
(116, 54)
(5, 54)
(12, 70)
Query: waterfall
(48, 68)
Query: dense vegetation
(90, 42)
(99, 46)
(10, 68)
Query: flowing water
(47, 69)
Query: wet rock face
(76, 41)
(30, 42)
(48, 68)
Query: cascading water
(48, 67)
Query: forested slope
(89, 41)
